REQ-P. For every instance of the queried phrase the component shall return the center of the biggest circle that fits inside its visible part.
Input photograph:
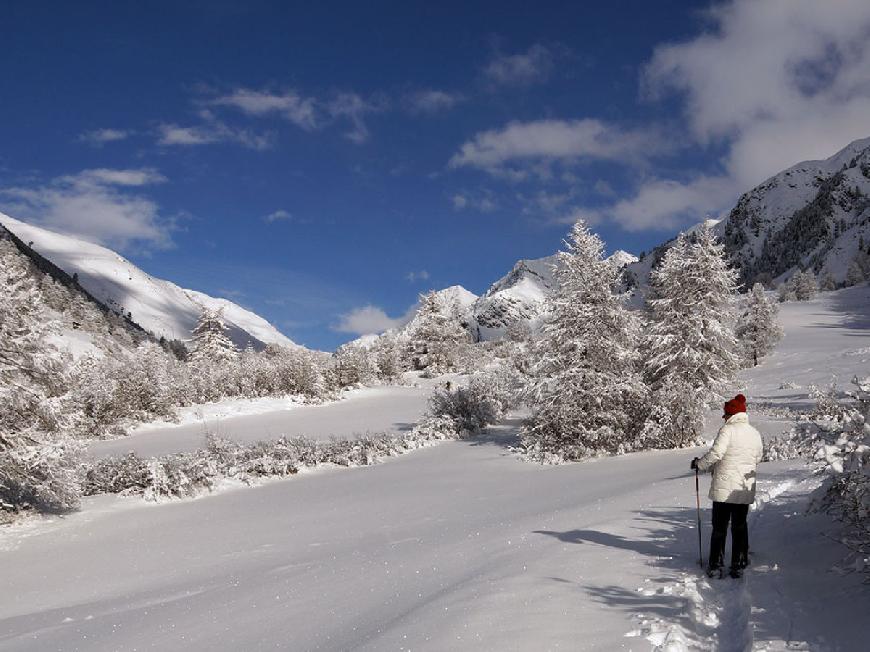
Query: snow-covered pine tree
(387, 355)
(354, 365)
(209, 338)
(586, 387)
(690, 350)
(437, 338)
(828, 282)
(804, 284)
(757, 329)
(37, 462)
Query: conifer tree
(804, 285)
(586, 387)
(209, 338)
(690, 349)
(828, 282)
(758, 330)
(437, 337)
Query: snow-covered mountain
(516, 297)
(159, 306)
(812, 215)
(815, 215)
(519, 295)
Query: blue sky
(322, 163)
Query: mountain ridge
(160, 307)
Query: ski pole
(698, 500)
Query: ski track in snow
(719, 610)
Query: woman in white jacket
(734, 457)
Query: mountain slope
(812, 215)
(518, 297)
(159, 306)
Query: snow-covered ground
(369, 410)
(459, 546)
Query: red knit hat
(735, 405)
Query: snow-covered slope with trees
(159, 306)
(813, 215)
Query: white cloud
(109, 177)
(369, 319)
(413, 277)
(278, 216)
(299, 110)
(211, 131)
(773, 83)
(531, 67)
(663, 204)
(482, 202)
(99, 137)
(567, 140)
(432, 101)
(353, 107)
(95, 205)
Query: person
(735, 454)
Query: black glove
(694, 464)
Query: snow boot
(736, 572)
(717, 571)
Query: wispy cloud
(290, 105)
(99, 137)
(97, 205)
(522, 69)
(499, 150)
(481, 202)
(353, 107)
(431, 101)
(369, 319)
(211, 131)
(278, 216)
(413, 277)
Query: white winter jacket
(734, 456)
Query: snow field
(375, 409)
(459, 546)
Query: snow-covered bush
(836, 440)
(37, 459)
(472, 408)
(183, 475)
(114, 475)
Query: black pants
(722, 513)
